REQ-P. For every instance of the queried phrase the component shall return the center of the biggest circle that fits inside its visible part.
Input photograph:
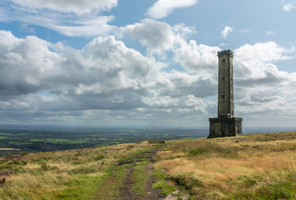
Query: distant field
(57, 140)
(9, 149)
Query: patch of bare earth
(127, 193)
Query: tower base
(225, 127)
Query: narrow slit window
(224, 60)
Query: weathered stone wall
(225, 84)
(225, 127)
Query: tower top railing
(225, 52)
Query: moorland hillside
(261, 166)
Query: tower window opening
(223, 96)
(223, 78)
(224, 60)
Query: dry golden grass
(70, 174)
(224, 165)
(220, 168)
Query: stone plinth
(225, 127)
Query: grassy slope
(73, 174)
(245, 167)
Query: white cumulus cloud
(107, 82)
(288, 7)
(226, 32)
(163, 8)
(156, 36)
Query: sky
(145, 63)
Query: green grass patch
(5, 134)
(22, 134)
(78, 141)
(63, 141)
(108, 186)
(140, 177)
(36, 140)
(56, 141)
(80, 187)
(102, 139)
(198, 150)
(3, 137)
(99, 157)
(20, 143)
(161, 183)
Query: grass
(59, 141)
(73, 174)
(246, 167)
(259, 166)
(140, 176)
(36, 140)
(19, 143)
(160, 178)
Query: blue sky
(152, 62)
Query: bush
(84, 170)
(155, 141)
(99, 157)
(44, 166)
(187, 180)
(197, 151)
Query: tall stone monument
(225, 124)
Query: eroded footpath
(138, 181)
(130, 178)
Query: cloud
(90, 24)
(159, 37)
(162, 8)
(269, 33)
(88, 28)
(254, 64)
(264, 95)
(66, 6)
(104, 77)
(262, 53)
(156, 36)
(26, 28)
(223, 44)
(196, 58)
(23, 63)
(245, 30)
(226, 32)
(107, 82)
(288, 7)
(261, 89)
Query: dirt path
(126, 192)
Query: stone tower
(225, 124)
